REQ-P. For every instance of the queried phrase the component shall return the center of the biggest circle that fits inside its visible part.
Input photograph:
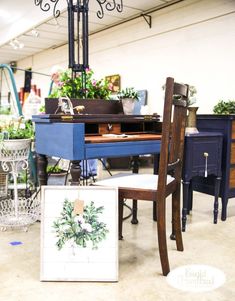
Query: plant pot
(92, 106)
(14, 149)
(128, 105)
(57, 178)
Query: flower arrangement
(128, 93)
(67, 86)
(81, 228)
(192, 98)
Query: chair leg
(134, 219)
(176, 222)
(120, 217)
(161, 228)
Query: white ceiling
(19, 17)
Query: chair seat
(135, 181)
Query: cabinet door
(206, 156)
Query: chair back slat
(173, 131)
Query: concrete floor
(139, 265)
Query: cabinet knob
(205, 154)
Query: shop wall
(193, 41)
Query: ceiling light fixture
(35, 33)
(15, 44)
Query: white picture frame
(79, 246)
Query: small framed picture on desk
(115, 81)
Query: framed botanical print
(79, 233)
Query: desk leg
(185, 204)
(75, 172)
(42, 169)
(135, 169)
(190, 198)
(224, 208)
(216, 202)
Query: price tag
(78, 207)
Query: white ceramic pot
(128, 105)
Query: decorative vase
(92, 106)
(128, 105)
(191, 127)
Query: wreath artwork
(80, 229)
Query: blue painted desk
(87, 137)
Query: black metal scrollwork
(45, 6)
(110, 6)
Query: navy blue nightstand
(203, 154)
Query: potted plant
(15, 139)
(128, 96)
(95, 98)
(224, 107)
(15, 142)
(56, 175)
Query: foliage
(54, 169)
(5, 111)
(19, 129)
(80, 229)
(224, 107)
(66, 85)
(42, 109)
(192, 98)
(128, 93)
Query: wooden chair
(157, 187)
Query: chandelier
(78, 23)
(104, 4)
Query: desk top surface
(121, 138)
(91, 118)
